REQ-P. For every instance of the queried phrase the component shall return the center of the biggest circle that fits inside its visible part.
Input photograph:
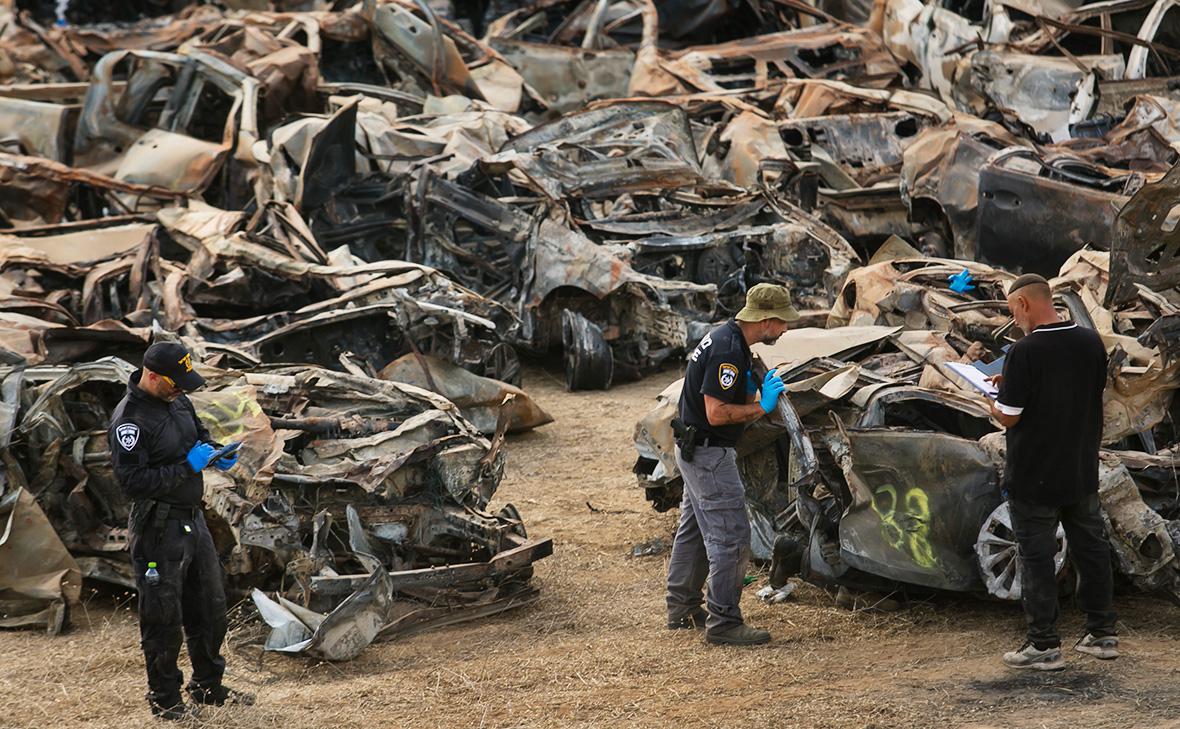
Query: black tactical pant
(190, 594)
(1036, 527)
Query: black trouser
(1035, 526)
(190, 594)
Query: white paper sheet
(974, 377)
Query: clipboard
(974, 377)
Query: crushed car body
(364, 221)
(342, 473)
(897, 485)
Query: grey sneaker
(1029, 656)
(740, 634)
(1105, 647)
(694, 620)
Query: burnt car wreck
(345, 477)
(366, 218)
(882, 471)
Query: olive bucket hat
(768, 301)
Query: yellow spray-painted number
(226, 419)
(905, 522)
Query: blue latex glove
(962, 282)
(227, 462)
(199, 455)
(751, 384)
(772, 387)
(771, 376)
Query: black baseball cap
(174, 362)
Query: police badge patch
(128, 435)
(727, 374)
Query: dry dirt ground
(594, 650)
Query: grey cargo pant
(712, 539)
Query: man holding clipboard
(1050, 402)
(159, 447)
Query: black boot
(169, 709)
(219, 696)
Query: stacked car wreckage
(361, 215)
(881, 471)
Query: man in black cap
(1050, 402)
(159, 448)
(717, 401)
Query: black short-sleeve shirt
(718, 367)
(1053, 379)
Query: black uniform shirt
(718, 367)
(149, 439)
(1053, 379)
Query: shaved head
(1030, 302)
(1031, 286)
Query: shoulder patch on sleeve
(128, 435)
(727, 375)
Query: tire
(589, 364)
(502, 363)
(999, 563)
(512, 514)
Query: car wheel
(503, 364)
(999, 561)
(589, 364)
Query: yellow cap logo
(187, 361)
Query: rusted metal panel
(918, 501)
(1146, 240)
(568, 78)
(1029, 221)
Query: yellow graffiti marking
(917, 504)
(909, 530)
(226, 420)
(892, 533)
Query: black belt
(163, 511)
(180, 512)
(714, 443)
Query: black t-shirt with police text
(718, 367)
(1053, 379)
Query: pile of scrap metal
(881, 469)
(603, 233)
(420, 192)
(952, 124)
(1060, 69)
(364, 502)
(1081, 110)
(630, 249)
(615, 235)
(242, 291)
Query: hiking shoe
(1105, 647)
(740, 634)
(220, 696)
(694, 620)
(1029, 656)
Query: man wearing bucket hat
(159, 448)
(718, 400)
